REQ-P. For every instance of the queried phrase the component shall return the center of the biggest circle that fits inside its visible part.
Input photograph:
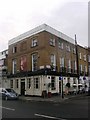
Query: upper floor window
(62, 62)
(34, 61)
(68, 48)
(85, 68)
(75, 65)
(74, 50)
(14, 49)
(34, 42)
(88, 58)
(53, 62)
(52, 41)
(80, 55)
(84, 57)
(69, 63)
(80, 68)
(60, 44)
(69, 66)
(14, 66)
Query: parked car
(8, 94)
(89, 91)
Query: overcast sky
(67, 16)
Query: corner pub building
(38, 59)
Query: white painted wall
(44, 80)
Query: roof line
(43, 27)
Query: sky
(67, 16)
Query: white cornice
(39, 29)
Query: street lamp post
(61, 78)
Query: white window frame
(68, 48)
(81, 68)
(34, 42)
(69, 66)
(84, 56)
(85, 67)
(34, 62)
(88, 58)
(74, 50)
(11, 83)
(53, 61)
(69, 63)
(17, 83)
(60, 44)
(14, 66)
(14, 49)
(74, 81)
(75, 65)
(52, 41)
(36, 83)
(28, 83)
(53, 83)
(62, 62)
(80, 55)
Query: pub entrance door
(22, 86)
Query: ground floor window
(11, 83)
(16, 82)
(28, 82)
(36, 83)
(74, 80)
(53, 85)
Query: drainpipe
(77, 58)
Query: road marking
(51, 117)
(7, 108)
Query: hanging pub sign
(23, 63)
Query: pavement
(54, 98)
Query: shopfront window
(53, 85)
(36, 83)
(17, 83)
(28, 83)
(11, 83)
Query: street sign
(60, 77)
(84, 78)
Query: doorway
(22, 86)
